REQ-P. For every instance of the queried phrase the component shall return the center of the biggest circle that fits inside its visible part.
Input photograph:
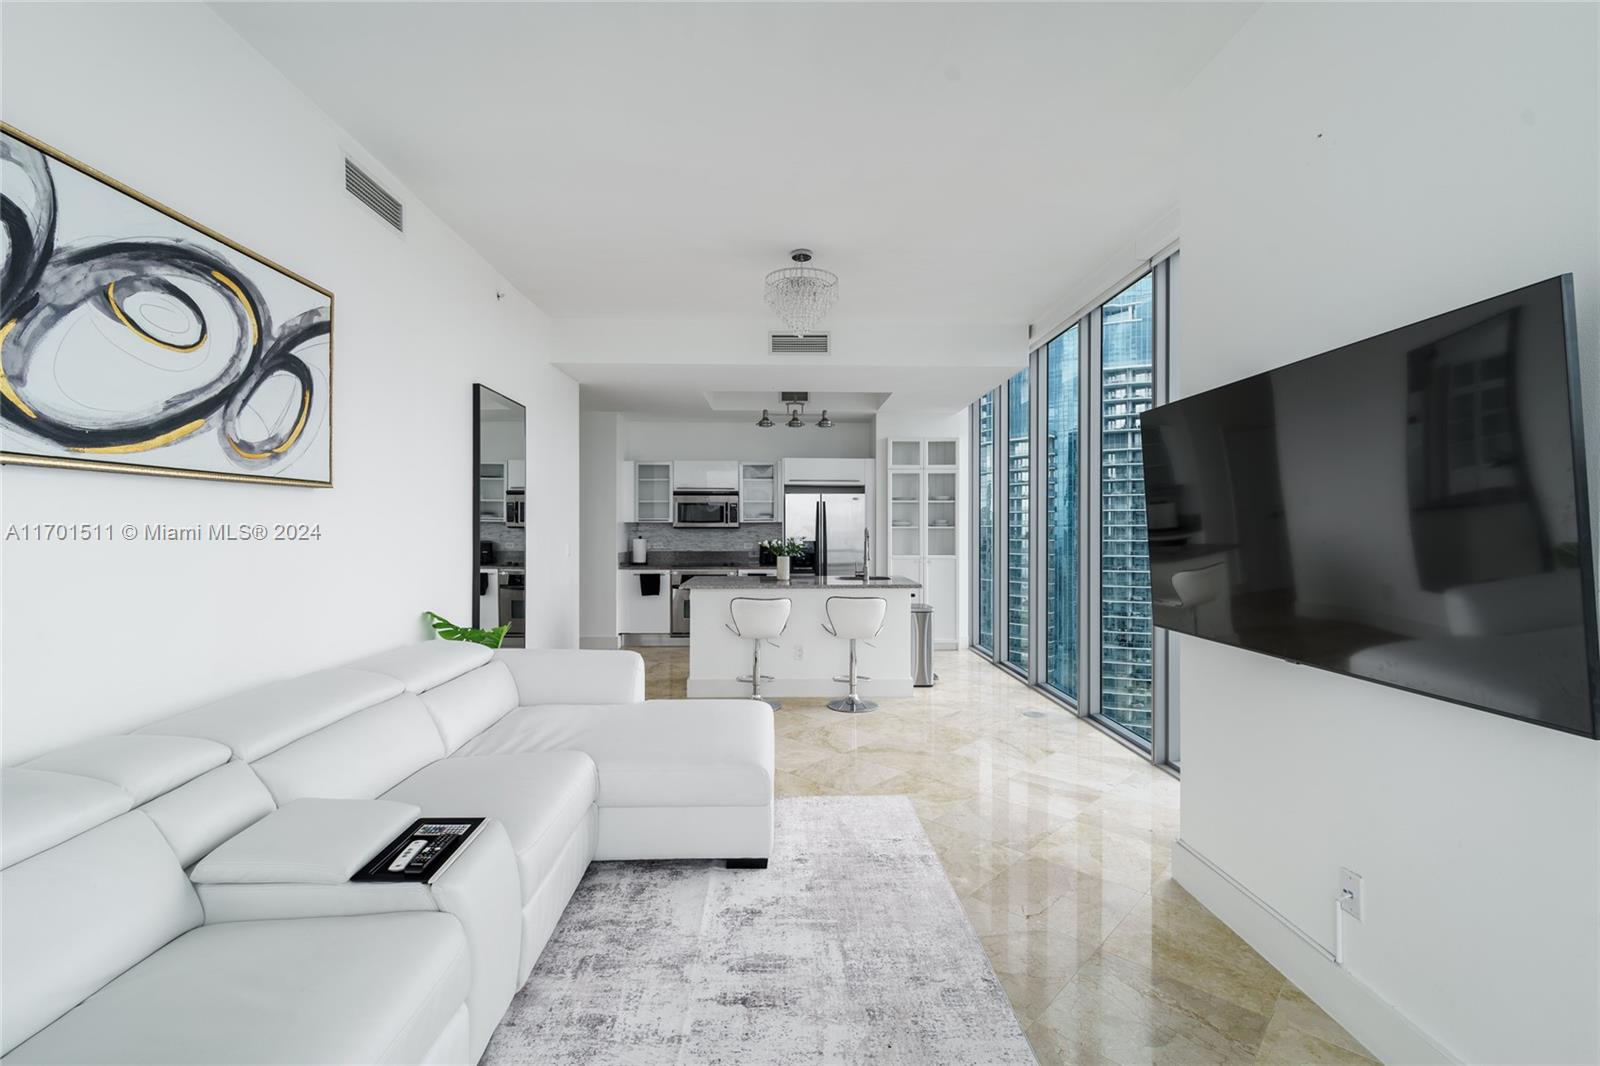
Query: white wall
(1349, 169)
(105, 637)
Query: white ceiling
(951, 162)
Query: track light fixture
(795, 404)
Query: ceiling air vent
(358, 184)
(797, 343)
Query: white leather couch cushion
(307, 841)
(471, 703)
(367, 989)
(556, 675)
(540, 798)
(40, 808)
(142, 766)
(196, 817)
(79, 914)
(356, 757)
(420, 667)
(262, 720)
(664, 753)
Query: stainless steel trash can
(922, 675)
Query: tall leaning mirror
(500, 478)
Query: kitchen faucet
(866, 555)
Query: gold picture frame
(264, 356)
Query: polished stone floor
(1059, 842)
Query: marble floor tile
(1058, 840)
(1288, 1045)
(1296, 1011)
(1170, 934)
(1116, 1011)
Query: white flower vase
(783, 568)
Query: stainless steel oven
(680, 596)
(513, 600)
(706, 509)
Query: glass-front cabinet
(923, 504)
(652, 493)
(758, 492)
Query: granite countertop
(802, 581)
(692, 561)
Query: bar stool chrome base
(851, 704)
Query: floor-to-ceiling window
(1061, 506)
(984, 415)
(1127, 387)
(1062, 584)
(1017, 512)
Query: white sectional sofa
(182, 894)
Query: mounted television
(1411, 509)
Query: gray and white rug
(851, 947)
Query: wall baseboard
(1370, 1018)
(599, 643)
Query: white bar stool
(854, 618)
(758, 620)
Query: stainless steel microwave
(702, 509)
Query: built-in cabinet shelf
(491, 492)
(924, 523)
(652, 491)
(759, 499)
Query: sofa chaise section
(109, 943)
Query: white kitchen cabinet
(517, 475)
(705, 474)
(488, 597)
(759, 497)
(652, 492)
(638, 613)
(827, 471)
(924, 486)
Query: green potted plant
(448, 630)
(784, 550)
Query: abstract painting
(133, 339)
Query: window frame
(1162, 749)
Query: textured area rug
(851, 947)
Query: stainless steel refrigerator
(831, 521)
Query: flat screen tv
(1411, 509)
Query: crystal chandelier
(800, 295)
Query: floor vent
(360, 185)
(797, 343)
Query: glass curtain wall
(983, 471)
(1061, 366)
(1062, 574)
(1127, 387)
(1017, 511)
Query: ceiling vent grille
(797, 344)
(360, 185)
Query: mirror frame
(479, 390)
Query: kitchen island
(807, 658)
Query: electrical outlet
(799, 652)
(1350, 882)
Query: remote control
(405, 856)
